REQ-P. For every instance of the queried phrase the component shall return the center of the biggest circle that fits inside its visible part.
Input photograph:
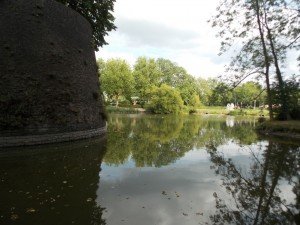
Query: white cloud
(172, 29)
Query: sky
(173, 29)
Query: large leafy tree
(248, 93)
(187, 87)
(205, 89)
(147, 76)
(116, 79)
(177, 77)
(99, 15)
(221, 95)
(263, 30)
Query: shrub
(165, 100)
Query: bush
(195, 101)
(125, 103)
(292, 96)
(262, 119)
(295, 113)
(165, 100)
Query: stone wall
(48, 72)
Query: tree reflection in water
(257, 197)
(161, 140)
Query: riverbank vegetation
(161, 86)
(255, 80)
(268, 32)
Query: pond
(156, 170)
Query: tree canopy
(264, 31)
(98, 13)
(116, 79)
(156, 84)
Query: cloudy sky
(171, 29)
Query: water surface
(169, 170)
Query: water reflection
(197, 170)
(265, 193)
(56, 184)
(169, 170)
(161, 140)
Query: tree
(205, 89)
(165, 100)
(187, 86)
(292, 91)
(195, 101)
(177, 77)
(168, 71)
(146, 75)
(98, 13)
(221, 95)
(268, 29)
(116, 79)
(247, 93)
(286, 15)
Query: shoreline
(285, 129)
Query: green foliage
(165, 100)
(205, 89)
(195, 100)
(187, 87)
(146, 75)
(194, 103)
(116, 79)
(247, 93)
(150, 74)
(169, 71)
(221, 95)
(292, 92)
(268, 30)
(98, 13)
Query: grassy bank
(236, 112)
(289, 128)
(125, 110)
(219, 110)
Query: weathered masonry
(49, 88)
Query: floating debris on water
(30, 210)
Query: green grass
(236, 112)
(249, 112)
(220, 110)
(212, 110)
(113, 109)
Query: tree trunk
(284, 107)
(266, 57)
(117, 100)
(263, 184)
